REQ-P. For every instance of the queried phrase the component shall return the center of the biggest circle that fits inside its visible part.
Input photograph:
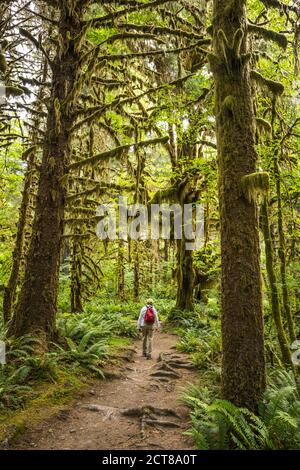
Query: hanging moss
(254, 185)
(51, 163)
(28, 152)
(229, 103)
(224, 45)
(269, 35)
(237, 41)
(274, 87)
(57, 115)
(263, 125)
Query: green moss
(47, 400)
(57, 111)
(229, 103)
(263, 125)
(270, 35)
(116, 343)
(255, 184)
(237, 41)
(274, 87)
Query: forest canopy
(184, 103)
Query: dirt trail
(115, 414)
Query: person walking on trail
(147, 322)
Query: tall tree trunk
(76, 274)
(136, 270)
(25, 214)
(185, 278)
(166, 251)
(36, 309)
(274, 295)
(243, 363)
(154, 263)
(121, 270)
(282, 256)
(11, 287)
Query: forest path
(114, 414)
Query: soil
(118, 413)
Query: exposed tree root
(107, 411)
(174, 361)
(147, 415)
(166, 373)
(148, 410)
(167, 424)
(181, 365)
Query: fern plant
(87, 356)
(221, 425)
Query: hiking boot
(148, 356)
(144, 354)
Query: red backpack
(149, 315)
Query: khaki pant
(147, 331)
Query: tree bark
(121, 270)
(274, 295)
(185, 278)
(282, 257)
(11, 287)
(136, 270)
(243, 363)
(76, 275)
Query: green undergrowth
(35, 385)
(31, 379)
(200, 333)
(219, 425)
(41, 401)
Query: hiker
(147, 321)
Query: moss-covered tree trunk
(185, 268)
(76, 278)
(185, 277)
(166, 251)
(121, 270)
(282, 256)
(243, 363)
(274, 295)
(11, 287)
(36, 309)
(136, 270)
(25, 213)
